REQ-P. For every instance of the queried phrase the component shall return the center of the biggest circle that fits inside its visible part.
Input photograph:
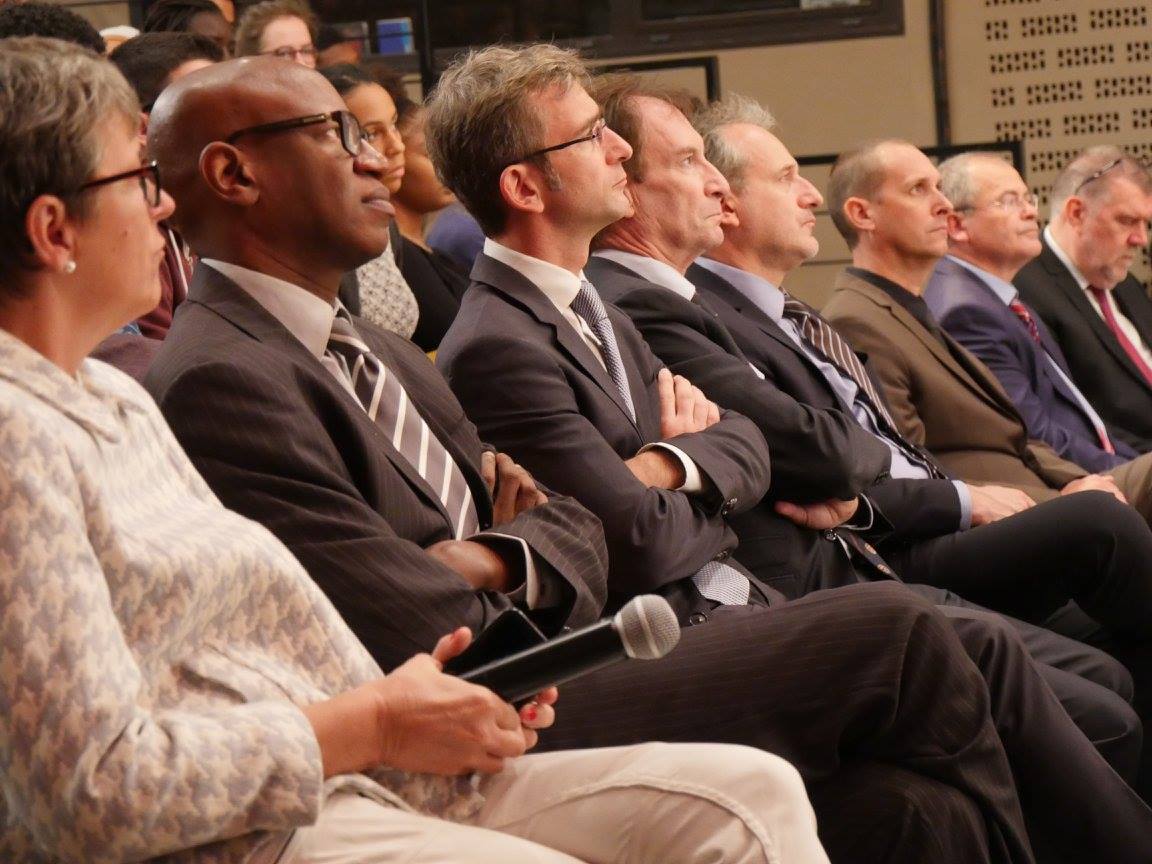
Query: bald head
(294, 195)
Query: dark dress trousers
(975, 316)
(1100, 367)
(716, 338)
(534, 387)
(909, 733)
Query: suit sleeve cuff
(537, 591)
(693, 481)
(864, 519)
(965, 505)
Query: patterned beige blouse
(153, 645)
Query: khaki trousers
(657, 803)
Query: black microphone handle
(521, 676)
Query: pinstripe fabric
(280, 440)
(587, 305)
(824, 339)
(386, 402)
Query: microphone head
(647, 626)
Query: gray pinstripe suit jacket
(282, 442)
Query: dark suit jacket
(942, 397)
(915, 508)
(1100, 368)
(820, 454)
(281, 441)
(979, 320)
(537, 391)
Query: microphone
(645, 628)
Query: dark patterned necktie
(387, 404)
(588, 305)
(830, 345)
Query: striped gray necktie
(384, 398)
(587, 305)
(831, 345)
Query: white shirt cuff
(693, 482)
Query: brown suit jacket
(942, 397)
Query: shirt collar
(915, 305)
(557, 284)
(302, 313)
(657, 272)
(765, 296)
(1006, 291)
(1064, 259)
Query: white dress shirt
(561, 287)
(1122, 320)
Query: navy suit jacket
(1100, 368)
(978, 319)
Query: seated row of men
(345, 443)
(816, 483)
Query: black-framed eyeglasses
(148, 175)
(351, 135)
(595, 135)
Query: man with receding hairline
(1096, 310)
(343, 440)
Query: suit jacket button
(830, 534)
(729, 506)
(697, 618)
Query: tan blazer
(943, 398)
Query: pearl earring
(70, 267)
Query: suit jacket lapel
(217, 292)
(946, 352)
(525, 294)
(1066, 283)
(1137, 312)
(726, 293)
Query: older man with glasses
(1096, 310)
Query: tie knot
(794, 309)
(588, 305)
(344, 337)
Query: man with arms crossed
(570, 389)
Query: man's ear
(229, 174)
(957, 229)
(858, 212)
(50, 235)
(1074, 211)
(728, 215)
(520, 187)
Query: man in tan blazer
(885, 200)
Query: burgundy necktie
(1021, 312)
(1104, 299)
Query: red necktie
(1021, 312)
(1104, 299)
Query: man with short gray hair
(1097, 312)
(992, 233)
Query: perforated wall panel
(1059, 75)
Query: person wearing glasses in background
(282, 28)
(1096, 310)
(992, 233)
(175, 686)
(385, 297)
